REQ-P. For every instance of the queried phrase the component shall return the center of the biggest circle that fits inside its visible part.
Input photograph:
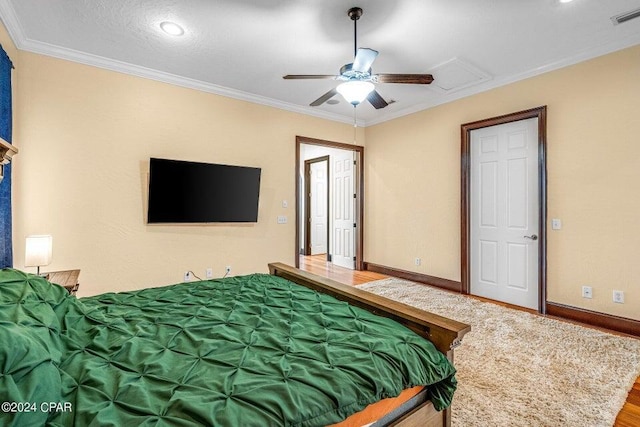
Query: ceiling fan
(358, 82)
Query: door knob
(532, 237)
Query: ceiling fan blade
(324, 98)
(419, 79)
(376, 100)
(363, 60)
(308, 76)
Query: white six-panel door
(318, 208)
(343, 209)
(504, 213)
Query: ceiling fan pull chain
(355, 125)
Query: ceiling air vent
(624, 17)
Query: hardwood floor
(629, 415)
(317, 264)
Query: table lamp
(38, 251)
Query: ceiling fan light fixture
(354, 92)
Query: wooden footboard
(445, 334)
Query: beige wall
(413, 181)
(85, 138)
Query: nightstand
(67, 279)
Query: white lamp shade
(355, 91)
(38, 251)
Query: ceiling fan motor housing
(348, 73)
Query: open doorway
(316, 206)
(329, 203)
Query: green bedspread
(243, 351)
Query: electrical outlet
(556, 224)
(618, 297)
(227, 270)
(587, 292)
(187, 276)
(418, 261)
(209, 273)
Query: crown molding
(161, 76)
(10, 20)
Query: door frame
(465, 194)
(359, 229)
(307, 203)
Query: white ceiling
(242, 48)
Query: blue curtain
(6, 247)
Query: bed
(287, 348)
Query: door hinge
(354, 258)
(329, 257)
(354, 195)
(354, 224)
(354, 162)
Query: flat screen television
(191, 192)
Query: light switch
(556, 224)
(285, 204)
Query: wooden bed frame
(446, 334)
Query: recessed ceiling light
(566, 1)
(171, 28)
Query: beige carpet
(519, 369)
